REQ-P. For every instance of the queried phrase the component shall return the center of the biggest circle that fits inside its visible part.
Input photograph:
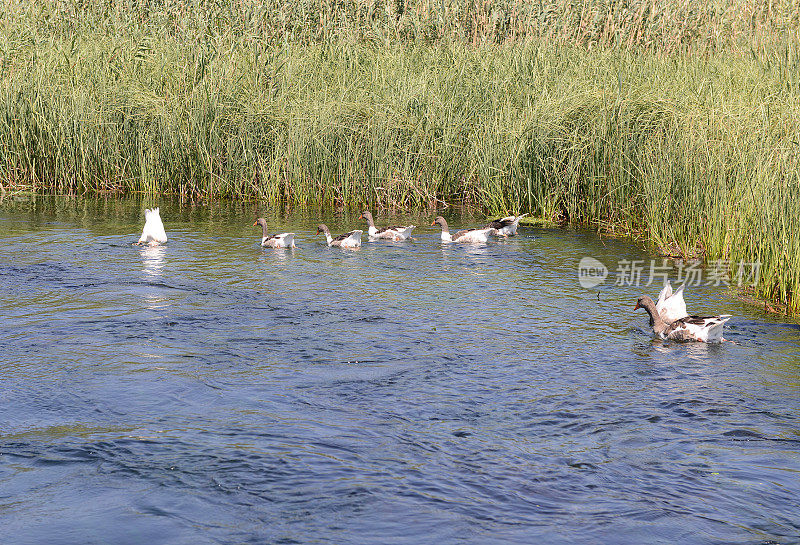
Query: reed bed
(672, 122)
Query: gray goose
(281, 240)
(396, 233)
(347, 240)
(507, 226)
(467, 235)
(707, 329)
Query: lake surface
(211, 391)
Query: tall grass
(666, 25)
(672, 122)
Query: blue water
(211, 391)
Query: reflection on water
(152, 261)
(152, 269)
(695, 351)
(281, 254)
(214, 391)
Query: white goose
(507, 226)
(671, 306)
(347, 240)
(281, 240)
(707, 329)
(396, 233)
(467, 235)
(153, 233)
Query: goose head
(441, 221)
(644, 301)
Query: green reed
(669, 122)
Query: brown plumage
(278, 240)
(351, 239)
(465, 235)
(396, 232)
(691, 328)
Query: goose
(671, 306)
(707, 329)
(396, 233)
(467, 235)
(507, 226)
(153, 233)
(347, 240)
(282, 240)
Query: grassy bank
(693, 145)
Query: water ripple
(211, 391)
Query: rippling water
(211, 391)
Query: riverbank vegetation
(668, 121)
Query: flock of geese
(504, 227)
(668, 316)
(153, 233)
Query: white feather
(476, 236)
(353, 241)
(153, 232)
(282, 240)
(710, 331)
(398, 235)
(671, 306)
(511, 229)
(407, 231)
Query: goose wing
(671, 306)
(463, 233)
(348, 240)
(387, 229)
(395, 232)
(499, 224)
(279, 240)
(474, 235)
(345, 236)
(698, 328)
(665, 293)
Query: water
(211, 391)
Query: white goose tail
(405, 232)
(284, 240)
(510, 229)
(288, 240)
(354, 240)
(715, 324)
(153, 232)
(514, 219)
(476, 235)
(708, 329)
